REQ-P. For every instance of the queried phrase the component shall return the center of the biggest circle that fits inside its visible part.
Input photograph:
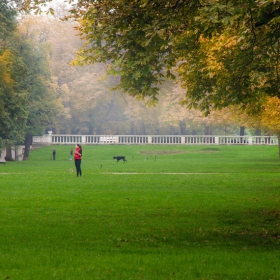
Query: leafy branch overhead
(222, 52)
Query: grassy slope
(220, 220)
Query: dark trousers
(78, 166)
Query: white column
(217, 140)
(250, 140)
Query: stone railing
(155, 139)
(17, 153)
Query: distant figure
(78, 159)
(71, 154)
(54, 154)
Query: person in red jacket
(78, 159)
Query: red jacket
(78, 154)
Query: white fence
(17, 153)
(155, 139)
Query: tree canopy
(223, 52)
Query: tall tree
(12, 71)
(43, 106)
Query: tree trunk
(207, 130)
(182, 128)
(258, 132)
(132, 128)
(142, 129)
(16, 153)
(242, 133)
(8, 156)
(90, 128)
(278, 137)
(27, 144)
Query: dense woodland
(42, 89)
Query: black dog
(120, 158)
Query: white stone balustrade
(155, 139)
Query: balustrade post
(216, 139)
(250, 140)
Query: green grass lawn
(169, 212)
